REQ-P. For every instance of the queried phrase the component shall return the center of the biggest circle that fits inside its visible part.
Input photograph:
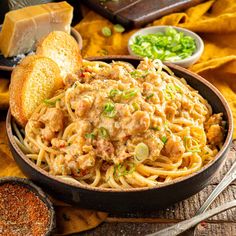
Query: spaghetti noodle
(116, 126)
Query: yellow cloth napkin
(214, 21)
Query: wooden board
(136, 13)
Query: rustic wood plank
(183, 210)
(134, 229)
(226, 229)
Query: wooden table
(140, 223)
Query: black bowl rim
(26, 183)
(222, 151)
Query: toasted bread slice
(63, 49)
(33, 80)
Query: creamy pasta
(116, 126)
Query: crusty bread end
(32, 81)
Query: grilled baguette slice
(63, 49)
(32, 81)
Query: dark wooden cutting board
(136, 13)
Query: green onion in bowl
(170, 45)
(167, 43)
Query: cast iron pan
(141, 199)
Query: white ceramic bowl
(184, 62)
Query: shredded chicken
(215, 134)
(140, 122)
(215, 119)
(86, 161)
(53, 121)
(83, 105)
(174, 147)
(105, 149)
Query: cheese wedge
(23, 28)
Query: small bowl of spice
(167, 43)
(24, 209)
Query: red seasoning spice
(22, 212)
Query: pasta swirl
(116, 126)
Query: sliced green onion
(124, 169)
(150, 96)
(141, 152)
(119, 28)
(109, 110)
(109, 106)
(164, 139)
(169, 92)
(114, 92)
(106, 31)
(135, 106)
(135, 73)
(170, 45)
(127, 94)
(90, 136)
(139, 74)
(50, 103)
(103, 132)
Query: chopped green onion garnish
(149, 96)
(139, 74)
(119, 28)
(136, 106)
(169, 92)
(109, 110)
(51, 103)
(135, 73)
(106, 31)
(170, 45)
(103, 132)
(114, 92)
(164, 139)
(129, 93)
(141, 152)
(90, 136)
(124, 169)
